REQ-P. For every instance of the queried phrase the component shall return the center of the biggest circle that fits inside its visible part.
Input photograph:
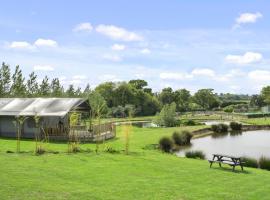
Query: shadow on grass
(228, 169)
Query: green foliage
(181, 138)
(195, 154)
(182, 99)
(4, 80)
(191, 122)
(257, 101)
(206, 99)
(235, 126)
(167, 116)
(228, 109)
(264, 163)
(250, 162)
(18, 87)
(166, 144)
(265, 93)
(97, 104)
(219, 128)
(138, 84)
(166, 96)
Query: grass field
(144, 174)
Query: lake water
(140, 124)
(250, 143)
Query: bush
(264, 163)
(189, 122)
(219, 128)
(250, 162)
(195, 154)
(236, 126)
(167, 116)
(181, 138)
(166, 144)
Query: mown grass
(145, 173)
(257, 121)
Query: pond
(140, 124)
(250, 143)
(212, 122)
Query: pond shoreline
(207, 131)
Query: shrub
(236, 126)
(111, 150)
(167, 116)
(181, 138)
(189, 122)
(264, 163)
(195, 154)
(166, 144)
(250, 162)
(219, 128)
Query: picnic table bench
(226, 159)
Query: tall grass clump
(250, 162)
(166, 144)
(181, 138)
(195, 154)
(219, 128)
(235, 126)
(264, 163)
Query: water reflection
(249, 143)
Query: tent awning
(41, 106)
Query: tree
(167, 116)
(4, 80)
(44, 88)
(70, 92)
(124, 94)
(182, 99)
(18, 87)
(106, 90)
(205, 98)
(265, 93)
(138, 84)
(166, 96)
(98, 107)
(56, 88)
(32, 85)
(257, 100)
(87, 90)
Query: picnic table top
(227, 156)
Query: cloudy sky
(224, 45)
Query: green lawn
(144, 174)
(257, 121)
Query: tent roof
(41, 106)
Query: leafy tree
(166, 96)
(78, 92)
(265, 93)
(124, 94)
(32, 85)
(106, 90)
(167, 116)
(18, 87)
(257, 100)
(205, 98)
(182, 100)
(138, 84)
(44, 88)
(56, 88)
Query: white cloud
(83, 27)
(174, 76)
(20, 45)
(43, 68)
(118, 47)
(145, 51)
(248, 18)
(109, 77)
(114, 58)
(203, 72)
(45, 43)
(247, 58)
(118, 33)
(259, 75)
(79, 77)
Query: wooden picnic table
(226, 159)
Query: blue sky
(224, 45)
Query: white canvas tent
(52, 111)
